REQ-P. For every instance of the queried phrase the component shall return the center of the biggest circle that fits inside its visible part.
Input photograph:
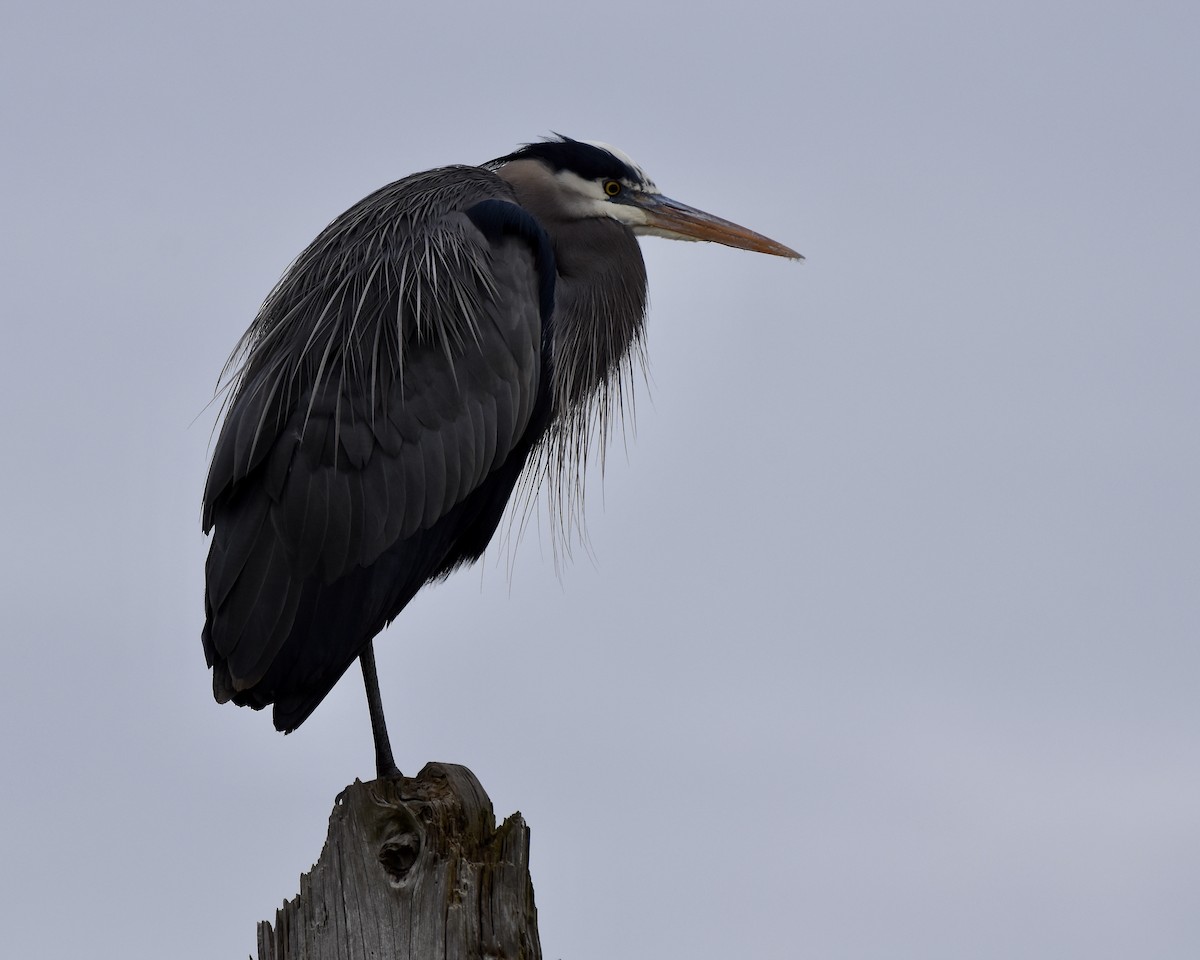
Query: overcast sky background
(889, 643)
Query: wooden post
(413, 868)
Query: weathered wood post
(413, 868)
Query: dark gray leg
(385, 766)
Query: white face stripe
(586, 198)
(647, 184)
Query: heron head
(584, 179)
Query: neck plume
(599, 327)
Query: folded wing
(394, 384)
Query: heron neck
(600, 305)
(600, 290)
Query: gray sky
(888, 645)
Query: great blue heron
(392, 389)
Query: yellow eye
(612, 187)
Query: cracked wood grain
(413, 868)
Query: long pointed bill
(670, 218)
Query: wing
(394, 386)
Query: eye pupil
(612, 187)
